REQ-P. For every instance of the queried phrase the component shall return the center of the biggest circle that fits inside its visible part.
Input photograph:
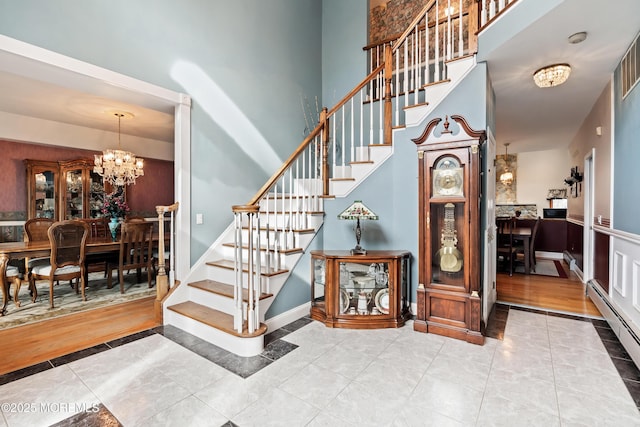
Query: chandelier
(553, 75)
(118, 167)
(506, 177)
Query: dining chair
(135, 252)
(94, 262)
(35, 230)
(505, 249)
(532, 247)
(68, 241)
(12, 275)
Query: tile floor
(540, 369)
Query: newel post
(325, 151)
(388, 76)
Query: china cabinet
(42, 189)
(82, 192)
(360, 291)
(449, 183)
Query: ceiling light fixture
(552, 75)
(118, 167)
(577, 37)
(506, 177)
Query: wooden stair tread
(271, 212)
(264, 249)
(223, 289)
(214, 318)
(230, 264)
(342, 179)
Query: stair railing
(266, 228)
(164, 283)
(443, 30)
(490, 9)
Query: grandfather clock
(449, 289)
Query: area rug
(66, 301)
(546, 267)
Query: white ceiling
(531, 118)
(527, 117)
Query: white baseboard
(549, 255)
(287, 317)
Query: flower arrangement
(114, 205)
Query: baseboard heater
(569, 259)
(620, 326)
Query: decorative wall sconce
(574, 181)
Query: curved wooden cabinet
(360, 291)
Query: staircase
(227, 293)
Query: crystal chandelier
(119, 167)
(553, 75)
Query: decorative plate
(382, 300)
(344, 300)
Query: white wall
(538, 171)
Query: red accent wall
(154, 188)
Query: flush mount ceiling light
(552, 75)
(577, 37)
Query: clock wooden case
(449, 290)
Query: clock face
(447, 178)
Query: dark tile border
(274, 349)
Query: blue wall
(626, 154)
(392, 191)
(253, 57)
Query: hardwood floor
(27, 345)
(546, 292)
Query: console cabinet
(360, 291)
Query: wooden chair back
(36, 229)
(135, 250)
(98, 227)
(68, 243)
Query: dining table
(20, 250)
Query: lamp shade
(358, 210)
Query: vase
(113, 227)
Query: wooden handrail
(314, 133)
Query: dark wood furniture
(21, 250)
(136, 246)
(360, 291)
(43, 189)
(64, 190)
(449, 181)
(505, 248)
(82, 192)
(68, 241)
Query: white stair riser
(211, 300)
(297, 220)
(245, 347)
(226, 275)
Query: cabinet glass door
(96, 195)
(75, 194)
(45, 202)
(364, 288)
(319, 277)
